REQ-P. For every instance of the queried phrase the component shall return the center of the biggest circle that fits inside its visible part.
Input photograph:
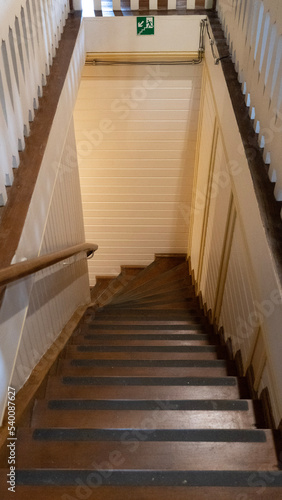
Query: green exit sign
(145, 25)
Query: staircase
(144, 404)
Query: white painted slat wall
(218, 205)
(229, 252)
(30, 31)
(136, 136)
(254, 33)
(34, 310)
(59, 290)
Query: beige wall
(136, 134)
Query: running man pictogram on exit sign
(145, 25)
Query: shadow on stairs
(144, 403)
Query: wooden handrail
(22, 269)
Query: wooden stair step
(182, 287)
(159, 306)
(168, 297)
(57, 389)
(165, 279)
(194, 340)
(167, 315)
(151, 272)
(85, 371)
(148, 329)
(160, 418)
(127, 274)
(154, 435)
(141, 324)
(132, 270)
(102, 282)
(192, 334)
(137, 368)
(145, 455)
(221, 478)
(194, 349)
(132, 330)
(151, 381)
(90, 489)
(142, 342)
(88, 352)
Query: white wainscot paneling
(217, 218)
(202, 169)
(239, 314)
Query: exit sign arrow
(145, 25)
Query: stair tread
(83, 353)
(129, 477)
(104, 332)
(160, 265)
(56, 388)
(141, 323)
(153, 293)
(178, 290)
(152, 492)
(161, 419)
(196, 341)
(166, 278)
(100, 371)
(145, 455)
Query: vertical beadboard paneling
(243, 324)
(219, 201)
(202, 169)
(247, 290)
(59, 290)
(136, 133)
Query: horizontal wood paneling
(136, 130)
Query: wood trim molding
(136, 57)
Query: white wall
(228, 246)
(119, 34)
(34, 310)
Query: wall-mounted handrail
(25, 268)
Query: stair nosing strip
(133, 477)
